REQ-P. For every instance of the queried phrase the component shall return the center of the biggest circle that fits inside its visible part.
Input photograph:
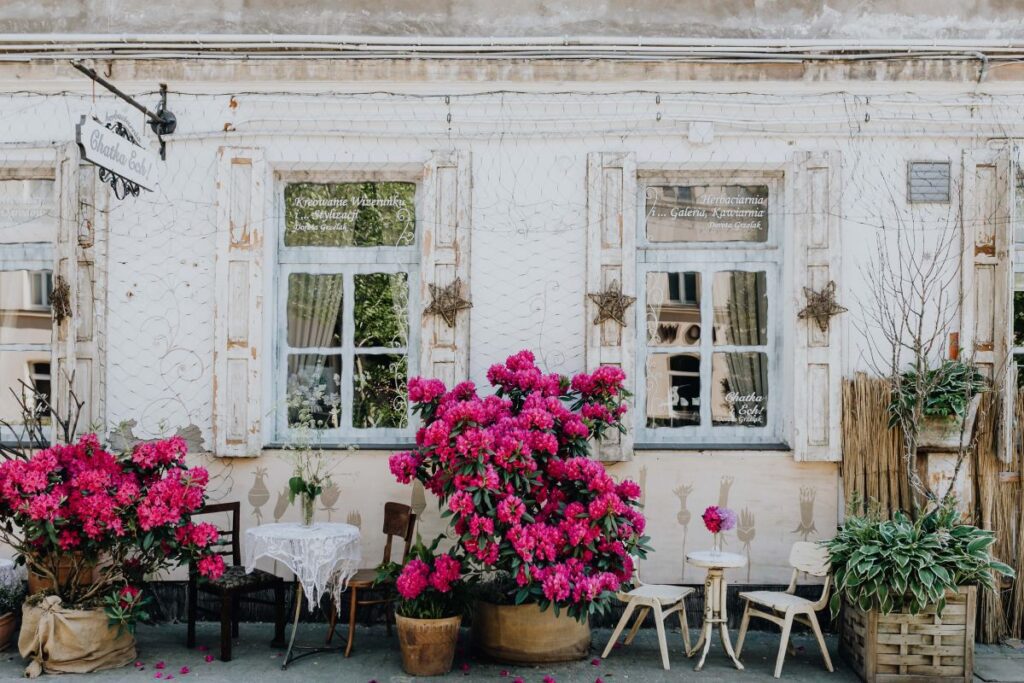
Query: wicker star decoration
(821, 306)
(447, 301)
(611, 304)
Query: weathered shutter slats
(241, 184)
(987, 270)
(611, 258)
(817, 392)
(445, 242)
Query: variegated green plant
(899, 563)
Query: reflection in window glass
(740, 301)
(707, 213)
(314, 394)
(379, 399)
(739, 389)
(1018, 309)
(382, 309)
(27, 211)
(673, 389)
(25, 335)
(365, 214)
(315, 310)
(673, 309)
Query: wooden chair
(785, 608)
(233, 587)
(663, 600)
(400, 521)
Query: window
(347, 280)
(40, 288)
(28, 232)
(708, 273)
(39, 380)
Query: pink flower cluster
(80, 497)
(418, 576)
(718, 519)
(513, 471)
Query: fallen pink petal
(208, 658)
(595, 662)
(159, 665)
(184, 670)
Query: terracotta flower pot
(8, 624)
(523, 634)
(428, 645)
(38, 583)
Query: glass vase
(717, 547)
(308, 508)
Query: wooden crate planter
(912, 648)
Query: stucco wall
(988, 19)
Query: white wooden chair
(785, 608)
(663, 600)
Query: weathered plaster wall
(697, 18)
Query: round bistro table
(715, 586)
(323, 557)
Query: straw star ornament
(611, 304)
(821, 305)
(447, 301)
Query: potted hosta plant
(543, 526)
(951, 394)
(429, 609)
(77, 508)
(12, 595)
(907, 590)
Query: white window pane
(16, 368)
(315, 310)
(314, 390)
(673, 389)
(740, 301)
(382, 309)
(1018, 311)
(365, 214)
(24, 308)
(739, 389)
(27, 211)
(379, 391)
(707, 213)
(673, 309)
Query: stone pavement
(376, 658)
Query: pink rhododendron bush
(71, 508)
(531, 511)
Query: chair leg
(332, 621)
(235, 611)
(786, 628)
(644, 611)
(193, 606)
(659, 623)
(630, 606)
(353, 602)
(225, 628)
(280, 617)
(685, 626)
(744, 623)
(813, 619)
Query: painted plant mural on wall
(684, 516)
(807, 525)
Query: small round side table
(715, 587)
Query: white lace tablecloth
(323, 556)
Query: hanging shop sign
(114, 146)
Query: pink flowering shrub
(429, 584)
(69, 508)
(527, 504)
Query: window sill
(280, 446)
(711, 447)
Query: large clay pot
(8, 623)
(523, 634)
(38, 583)
(428, 645)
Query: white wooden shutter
(66, 270)
(817, 391)
(611, 258)
(238, 323)
(447, 192)
(987, 271)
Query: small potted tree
(429, 610)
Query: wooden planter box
(905, 648)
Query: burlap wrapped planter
(428, 645)
(913, 648)
(59, 640)
(523, 634)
